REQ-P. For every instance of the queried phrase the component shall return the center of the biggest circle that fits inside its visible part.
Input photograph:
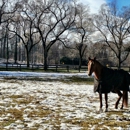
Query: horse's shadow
(124, 110)
(115, 112)
(119, 115)
(122, 115)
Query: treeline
(57, 31)
(74, 61)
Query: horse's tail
(128, 78)
(125, 98)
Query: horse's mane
(98, 63)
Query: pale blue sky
(95, 4)
(121, 3)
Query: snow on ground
(54, 105)
(38, 74)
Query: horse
(118, 81)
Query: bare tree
(28, 34)
(7, 10)
(82, 30)
(3, 36)
(113, 26)
(54, 18)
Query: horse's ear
(89, 58)
(94, 58)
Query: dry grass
(56, 117)
(68, 80)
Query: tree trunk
(1, 49)
(15, 51)
(45, 60)
(119, 60)
(7, 51)
(119, 63)
(80, 58)
(20, 54)
(4, 42)
(27, 54)
(28, 60)
(80, 63)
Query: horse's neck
(98, 71)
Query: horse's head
(91, 66)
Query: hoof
(116, 106)
(100, 111)
(106, 110)
(121, 108)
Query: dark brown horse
(104, 84)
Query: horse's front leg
(106, 100)
(100, 97)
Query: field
(55, 102)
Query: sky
(95, 4)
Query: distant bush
(69, 61)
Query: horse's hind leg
(106, 100)
(125, 99)
(117, 102)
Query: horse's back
(127, 76)
(112, 79)
(126, 80)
